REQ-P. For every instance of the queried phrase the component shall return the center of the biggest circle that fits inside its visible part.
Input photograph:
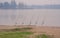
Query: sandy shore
(37, 29)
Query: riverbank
(55, 31)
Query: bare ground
(55, 31)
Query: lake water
(47, 17)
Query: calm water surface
(47, 17)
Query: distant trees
(13, 4)
(1, 5)
(6, 5)
(20, 5)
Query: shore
(37, 29)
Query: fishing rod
(16, 20)
(37, 20)
(30, 20)
(23, 20)
(43, 21)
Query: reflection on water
(47, 17)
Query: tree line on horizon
(13, 5)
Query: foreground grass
(15, 34)
(21, 33)
(44, 36)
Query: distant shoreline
(14, 26)
(29, 8)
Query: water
(45, 17)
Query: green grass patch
(16, 29)
(14, 34)
(44, 36)
(21, 29)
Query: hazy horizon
(35, 2)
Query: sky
(35, 2)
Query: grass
(21, 29)
(21, 33)
(44, 36)
(17, 29)
(27, 28)
(15, 34)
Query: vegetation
(44, 36)
(15, 34)
(16, 29)
(21, 29)
(21, 33)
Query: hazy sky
(36, 2)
